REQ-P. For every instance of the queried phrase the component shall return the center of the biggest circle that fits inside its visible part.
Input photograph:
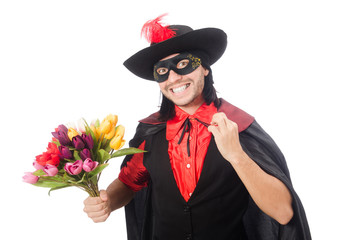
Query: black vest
(216, 207)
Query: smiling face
(183, 90)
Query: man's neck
(191, 108)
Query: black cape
(261, 148)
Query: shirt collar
(204, 113)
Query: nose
(173, 76)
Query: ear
(206, 71)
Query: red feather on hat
(154, 31)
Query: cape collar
(243, 119)
(203, 114)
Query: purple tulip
(30, 178)
(50, 170)
(74, 168)
(85, 153)
(62, 128)
(64, 139)
(88, 141)
(62, 135)
(78, 142)
(89, 165)
(65, 152)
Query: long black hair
(167, 108)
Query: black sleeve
(262, 149)
(138, 216)
(143, 131)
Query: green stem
(94, 187)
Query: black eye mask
(181, 64)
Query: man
(210, 171)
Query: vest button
(186, 208)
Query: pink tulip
(89, 165)
(50, 170)
(74, 168)
(30, 178)
(37, 165)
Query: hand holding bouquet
(77, 157)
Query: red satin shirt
(186, 158)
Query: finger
(94, 208)
(103, 195)
(219, 119)
(100, 219)
(214, 130)
(99, 213)
(225, 122)
(231, 125)
(93, 201)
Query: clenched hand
(98, 208)
(226, 137)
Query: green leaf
(56, 143)
(79, 181)
(126, 151)
(103, 155)
(107, 148)
(39, 173)
(50, 184)
(88, 130)
(56, 188)
(67, 178)
(76, 155)
(98, 169)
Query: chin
(189, 102)
(182, 103)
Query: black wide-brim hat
(209, 43)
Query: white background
(294, 65)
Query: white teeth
(180, 89)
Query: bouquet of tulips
(77, 157)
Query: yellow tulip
(105, 127)
(98, 130)
(111, 134)
(113, 119)
(72, 133)
(120, 131)
(94, 130)
(117, 142)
